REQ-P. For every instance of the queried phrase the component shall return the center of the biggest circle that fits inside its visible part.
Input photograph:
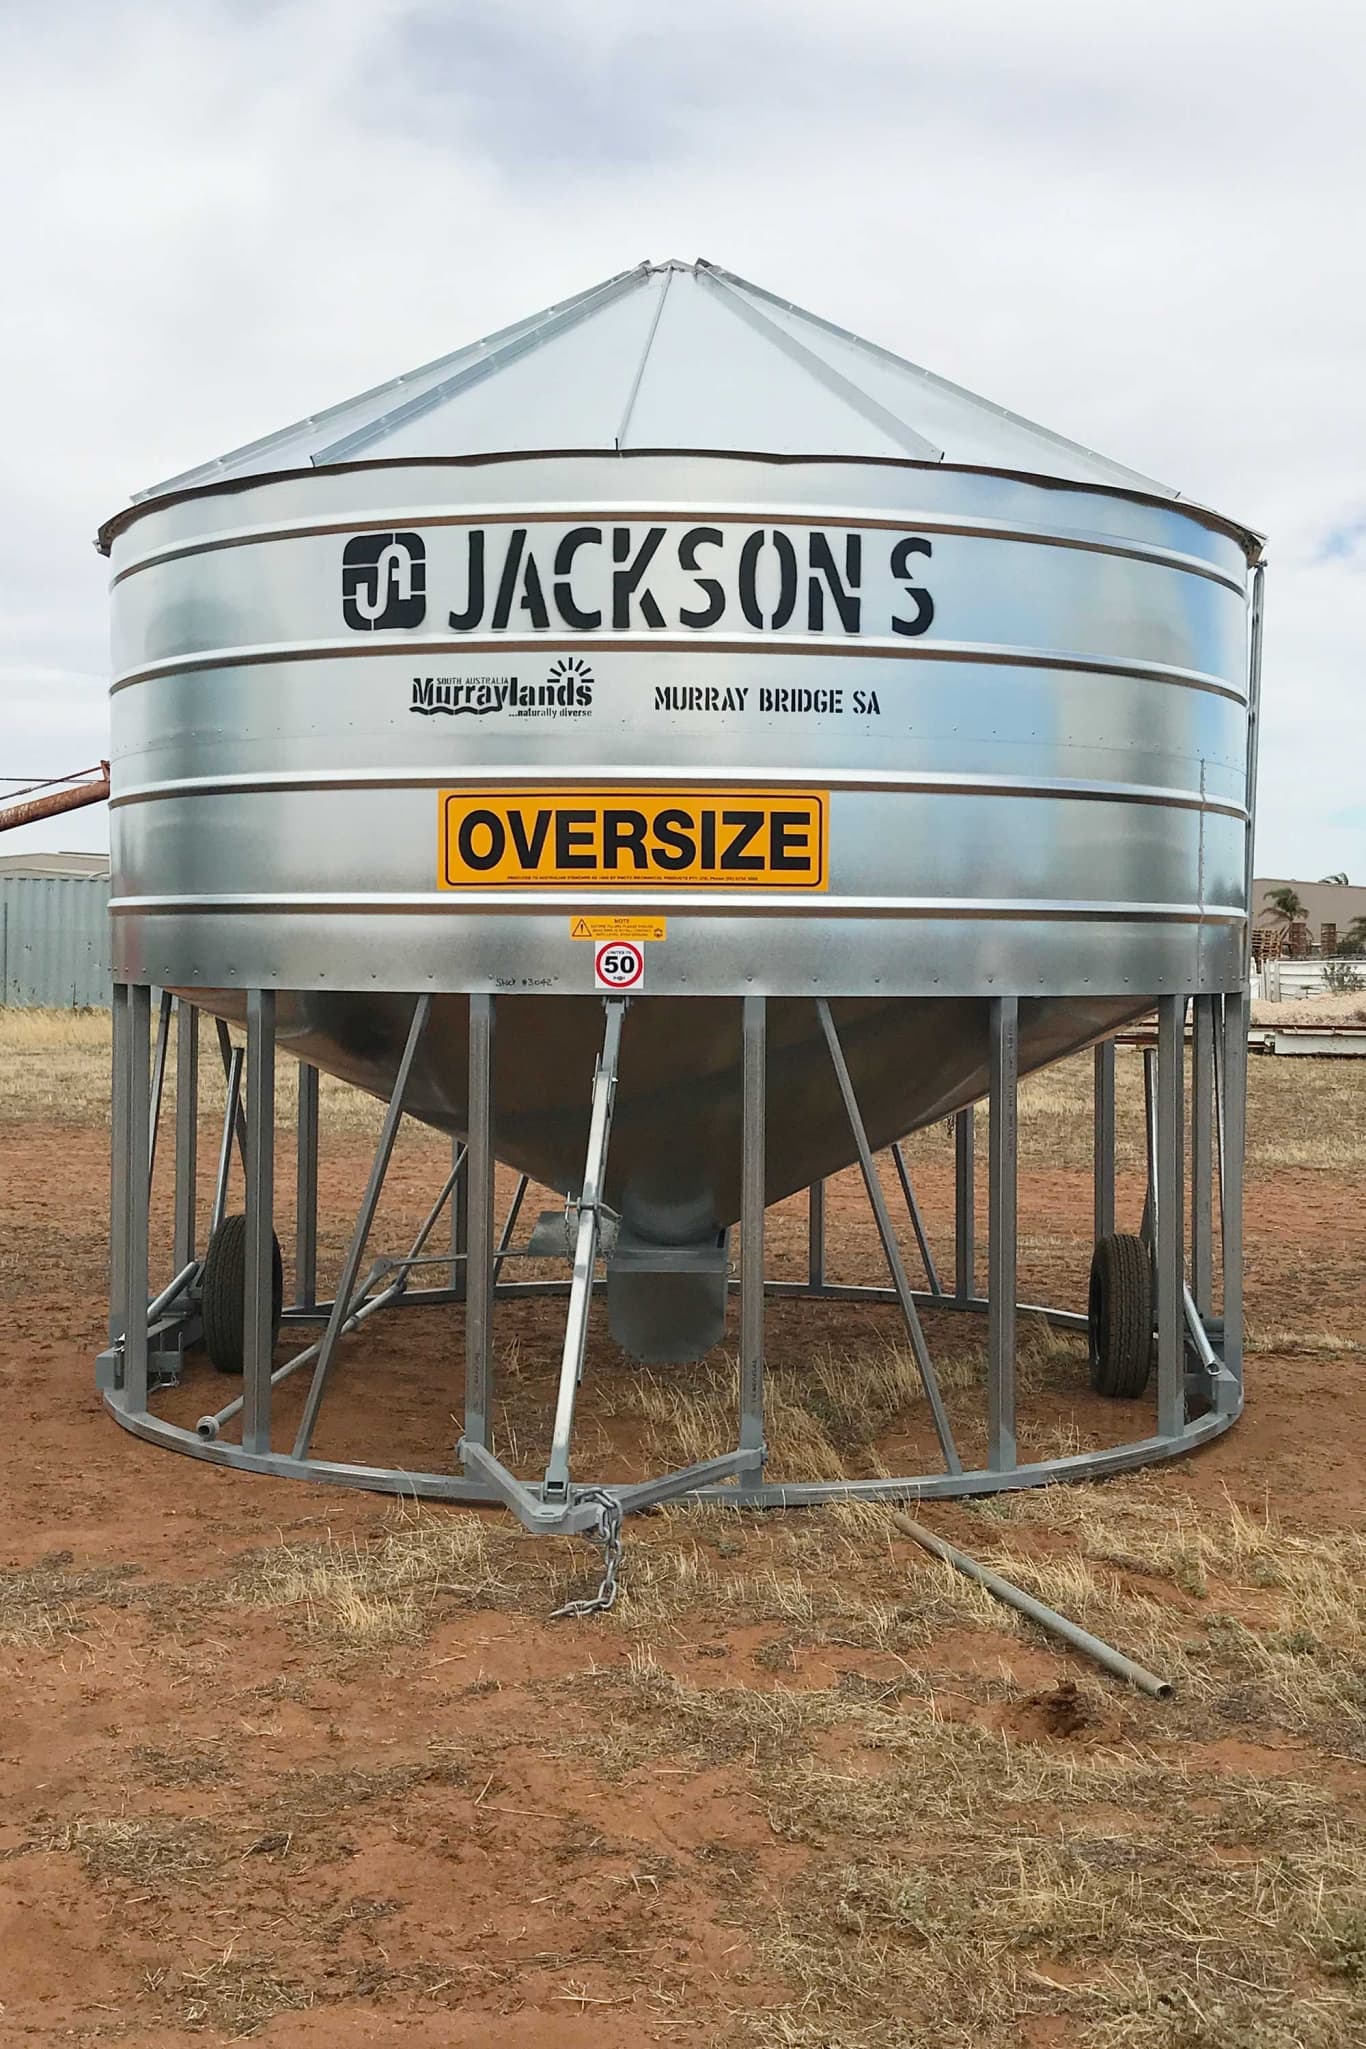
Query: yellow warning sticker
(606, 838)
(619, 928)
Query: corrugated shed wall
(54, 941)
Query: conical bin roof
(671, 356)
(688, 358)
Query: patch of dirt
(305, 1765)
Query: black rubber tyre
(1120, 1316)
(223, 1306)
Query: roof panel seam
(1046, 435)
(629, 408)
(816, 367)
(475, 373)
(206, 471)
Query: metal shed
(54, 931)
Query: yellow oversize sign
(588, 837)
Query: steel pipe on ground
(1102, 1654)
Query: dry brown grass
(966, 1864)
(233, 1996)
(54, 1068)
(1279, 1633)
(958, 1867)
(157, 1853)
(368, 1595)
(959, 1880)
(962, 1879)
(1301, 1113)
(40, 1604)
(827, 1413)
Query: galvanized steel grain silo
(679, 747)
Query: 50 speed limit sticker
(619, 965)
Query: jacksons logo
(694, 579)
(384, 581)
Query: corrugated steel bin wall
(54, 941)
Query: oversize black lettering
(789, 838)
(571, 613)
(714, 592)
(749, 580)
(492, 854)
(528, 845)
(675, 840)
(466, 621)
(825, 577)
(912, 544)
(626, 583)
(623, 832)
(747, 825)
(574, 831)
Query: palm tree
(1353, 940)
(1286, 905)
(1338, 881)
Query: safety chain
(608, 1534)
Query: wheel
(223, 1290)
(1120, 1316)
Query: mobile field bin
(678, 749)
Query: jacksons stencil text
(663, 576)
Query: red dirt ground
(405, 1845)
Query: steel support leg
(433, 1217)
(509, 1221)
(259, 1322)
(1202, 1150)
(118, 1166)
(306, 1192)
(240, 1122)
(1001, 1232)
(815, 1235)
(1234, 1144)
(1220, 1042)
(1256, 619)
(158, 1089)
(186, 1133)
(917, 1221)
(754, 1066)
(346, 1285)
(137, 1044)
(1103, 1142)
(477, 1211)
(1148, 1226)
(232, 1117)
(892, 1251)
(460, 1225)
(964, 1208)
(1170, 1264)
(555, 1486)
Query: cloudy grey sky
(1138, 224)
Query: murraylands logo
(384, 581)
(567, 693)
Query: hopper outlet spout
(668, 1273)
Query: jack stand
(557, 1506)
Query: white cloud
(1135, 225)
